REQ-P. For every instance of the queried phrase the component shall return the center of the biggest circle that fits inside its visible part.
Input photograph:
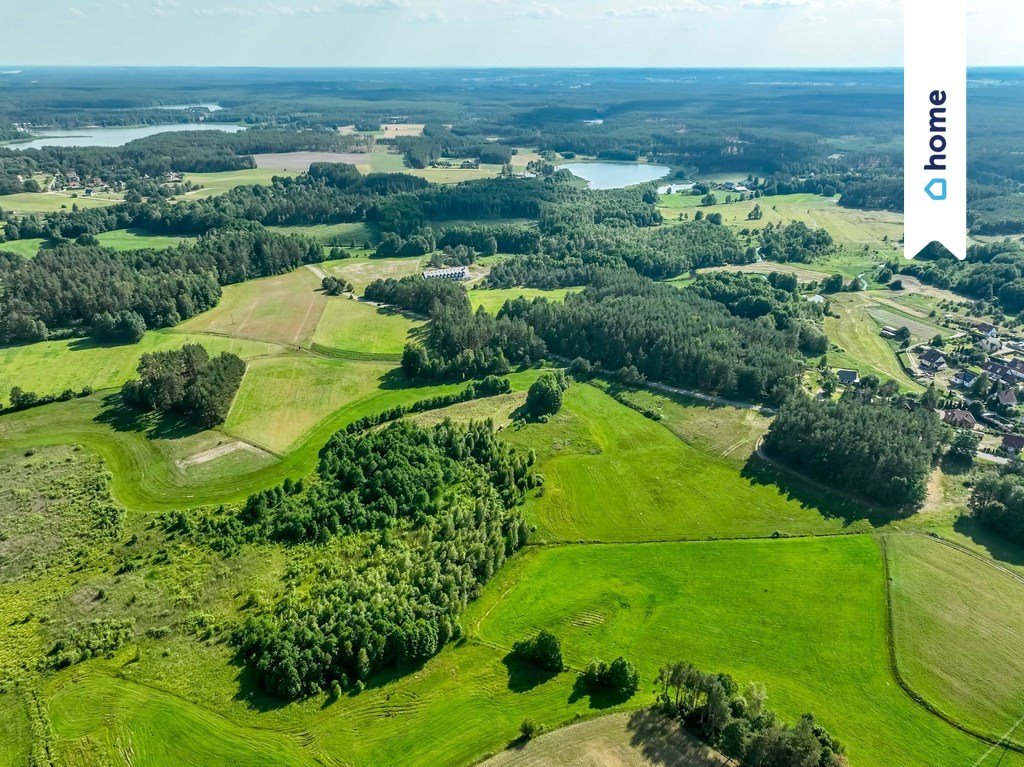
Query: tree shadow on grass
(523, 676)
(663, 741)
(994, 543)
(154, 425)
(600, 697)
(831, 504)
(251, 693)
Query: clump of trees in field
(668, 335)
(544, 397)
(438, 505)
(543, 651)
(188, 381)
(997, 501)
(877, 449)
(82, 642)
(619, 677)
(739, 725)
(795, 242)
(333, 286)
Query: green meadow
(492, 299)
(363, 331)
(960, 650)
(613, 475)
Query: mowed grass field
(217, 183)
(364, 270)
(282, 398)
(859, 346)
(805, 617)
(634, 739)
(284, 309)
(613, 475)
(361, 330)
(136, 239)
(344, 234)
(50, 367)
(959, 632)
(49, 202)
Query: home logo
(935, 126)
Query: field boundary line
(894, 667)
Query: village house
(1016, 369)
(847, 377)
(987, 330)
(990, 344)
(447, 273)
(965, 378)
(1013, 443)
(960, 419)
(997, 370)
(932, 360)
(1007, 397)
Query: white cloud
(537, 11)
(668, 9)
(780, 3)
(427, 17)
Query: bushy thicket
(876, 449)
(67, 289)
(187, 381)
(447, 495)
(739, 725)
(97, 637)
(669, 335)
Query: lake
(114, 136)
(615, 175)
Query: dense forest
(444, 502)
(877, 449)
(668, 335)
(992, 272)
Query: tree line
(75, 290)
(738, 724)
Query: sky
(542, 33)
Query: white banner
(935, 125)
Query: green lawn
(25, 248)
(613, 475)
(363, 270)
(359, 330)
(50, 367)
(959, 627)
(805, 617)
(492, 299)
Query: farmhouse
(960, 419)
(1013, 443)
(847, 376)
(987, 330)
(933, 360)
(447, 273)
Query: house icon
(936, 189)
